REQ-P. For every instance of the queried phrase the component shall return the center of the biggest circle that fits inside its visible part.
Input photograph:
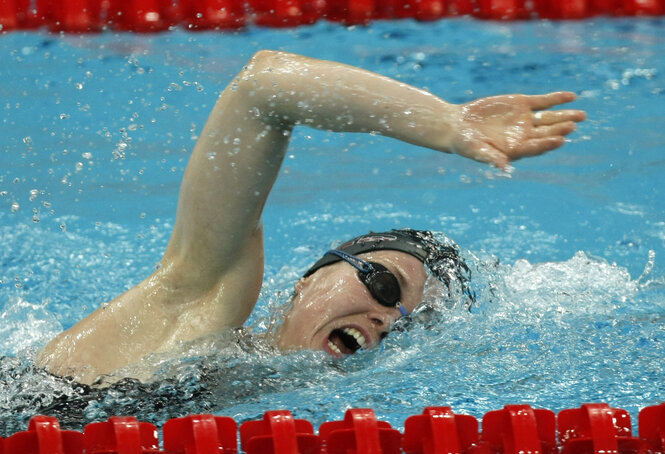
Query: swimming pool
(96, 131)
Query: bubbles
(552, 330)
(26, 324)
(582, 284)
(119, 150)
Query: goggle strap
(402, 310)
(356, 262)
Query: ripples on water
(87, 199)
(572, 331)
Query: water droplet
(119, 151)
(15, 207)
(34, 193)
(212, 155)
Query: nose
(380, 320)
(381, 324)
(377, 322)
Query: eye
(386, 288)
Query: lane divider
(594, 428)
(158, 15)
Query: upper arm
(229, 176)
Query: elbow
(262, 61)
(261, 83)
(263, 56)
(253, 73)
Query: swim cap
(395, 240)
(439, 254)
(374, 241)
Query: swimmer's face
(333, 311)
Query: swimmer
(211, 273)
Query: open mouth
(346, 341)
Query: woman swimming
(211, 273)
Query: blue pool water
(567, 252)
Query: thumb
(484, 152)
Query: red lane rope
(516, 429)
(158, 15)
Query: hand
(501, 129)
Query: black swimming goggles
(378, 279)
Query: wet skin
(333, 311)
(211, 273)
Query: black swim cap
(441, 258)
(395, 240)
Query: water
(566, 253)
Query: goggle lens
(382, 284)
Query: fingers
(532, 147)
(550, 117)
(556, 129)
(542, 102)
(535, 147)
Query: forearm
(289, 90)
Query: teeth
(358, 335)
(334, 348)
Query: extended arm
(211, 272)
(239, 153)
